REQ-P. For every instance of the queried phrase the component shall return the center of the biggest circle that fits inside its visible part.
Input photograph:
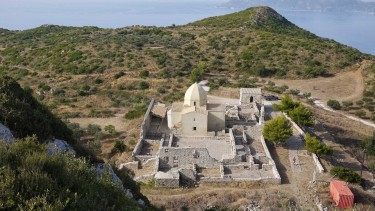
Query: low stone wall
(232, 142)
(244, 137)
(270, 160)
(167, 183)
(137, 148)
(318, 164)
(261, 116)
(143, 158)
(144, 128)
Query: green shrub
(110, 129)
(360, 113)
(118, 147)
(119, 75)
(359, 102)
(144, 74)
(98, 81)
(136, 113)
(334, 104)
(346, 174)
(144, 85)
(30, 179)
(347, 103)
(312, 145)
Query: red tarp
(341, 194)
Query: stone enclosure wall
(144, 128)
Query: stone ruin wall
(144, 128)
(271, 163)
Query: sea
(356, 29)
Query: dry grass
(344, 86)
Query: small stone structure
(196, 142)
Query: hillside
(318, 5)
(31, 178)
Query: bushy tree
(118, 147)
(302, 116)
(334, 104)
(277, 130)
(313, 145)
(287, 104)
(346, 174)
(297, 111)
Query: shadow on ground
(280, 167)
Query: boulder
(61, 146)
(105, 167)
(128, 194)
(5, 134)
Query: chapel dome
(195, 95)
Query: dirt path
(344, 86)
(118, 121)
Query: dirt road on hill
(344, 86)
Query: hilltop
(316, 5)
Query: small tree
(334, 104)
(314, 146)
(277, 130)
(346, 174)
(287, 104)
(118, 147)
(302, 116)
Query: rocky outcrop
(102, 168)
(5, 134)
(58, 145)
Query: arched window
(251, 99)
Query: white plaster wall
(194, 119)
(175, 118)
(216, 120)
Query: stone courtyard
(197, 141)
